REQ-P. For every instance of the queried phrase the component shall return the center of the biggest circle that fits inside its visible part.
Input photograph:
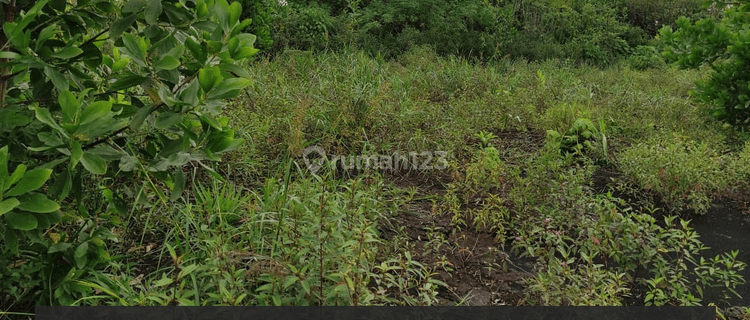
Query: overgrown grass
(273, 234)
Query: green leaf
(140, 116)
(196, 50)
(7, 205)
(122, 24)
(75, 153)
(153, 11)
(127, 163)
(95, 111)
(221, 10)
(63, 183)
(3, 167)
(128, 81)
(209, 77)
(67, 53)
(11, 241)
(190, 94)
(167, 120)
(58, 247)
(69, 105)
(135, 47)
(229, 88)
(38, 203)
(21, 221)
(235, 10)
(133, 6)
(31, 181)
(43, 115)
(9, 55)
(179, 184)
(16, 176)
(50, 138)
(201, 9)
(57, 78)
(94, 163)
(80, 254)
(166, 63)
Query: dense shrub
(652, 15)
(722, 45)
(461, 27)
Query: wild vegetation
(151, 155)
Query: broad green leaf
(166, 96)
(76, 152)
(196, 50)
(127, 163)
(135, 47)
(122, 24)
(229, 88)
(221, 9)
(179, 184)
(234, 12)
(69, 106)
(63, 183)
(20, 220)
(166, 63)
(9, 55)
(50, 138)
(153, 11)
(67, 53)
(58, 247)
(92, 57)
(190, 94)
(133, 6)
(140, 116)
(58, 79)
(15, 176)
(38, 203)
(201, 9)
(43, 221)
(43, 115)
(95, 111)
(209, 77)
(80, 254)
(127, 81)
(7, 205)
(31, 181)
(167, 120)
(94, 163)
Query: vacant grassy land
(564, 186)
(521, 215)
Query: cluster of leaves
(722, 45)
(583, 138)
(128, 89)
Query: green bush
(587, 30)
(103, 103)
(645, 57)
(469, 28)
(723, 46)
(653, 15)
(685, 174)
